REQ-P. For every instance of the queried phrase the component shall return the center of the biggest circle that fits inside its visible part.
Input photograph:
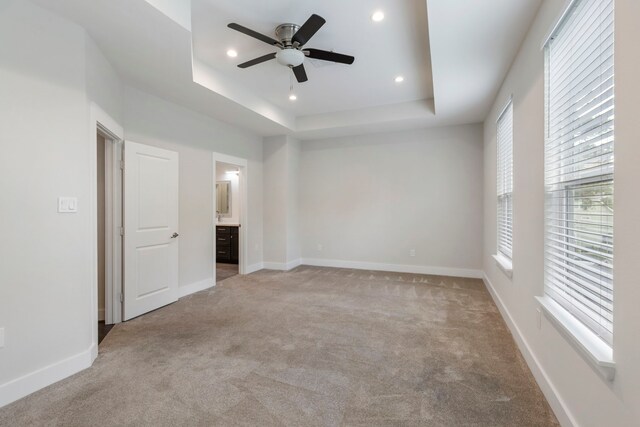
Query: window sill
(505, 265)
(589, 345)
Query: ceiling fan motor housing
(285, 32)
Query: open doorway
(109, 226)
(103, 328)
(228, 213)
(234, 171)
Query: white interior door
(150, 228)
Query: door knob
(174, 235)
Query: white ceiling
(396, 46)
(473, 45)
(470, 46)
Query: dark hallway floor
(224, 271)
(103, 330)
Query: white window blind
(505, 182)
(579, 165)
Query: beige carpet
(311, 347)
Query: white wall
(45, 257)
(103, 85)
(369, 200)
(281, 226)
(293, 201)
(577, 393)
(151, 120)
(51, 74)
(222, 174)
(275, 199)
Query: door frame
(243, 231)
(100, 121)
(113, 226)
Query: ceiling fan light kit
(290, 40)
(290, 57)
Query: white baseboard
(293, 264)
(36, 380)
(183, 291)
(282, 266)
(100, 314)
(93, 350)
(274, 266)
(397, 268)
(560, 409)
(254, 267)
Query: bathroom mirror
(223, 197)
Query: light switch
(67, 204)
(1, 337)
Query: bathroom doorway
(228, 214)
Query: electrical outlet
(412, 252)
(539, 318)
(1, 337)
(319, 247)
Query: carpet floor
(310, 347)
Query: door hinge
(122, 164)
(122, 231)
(121, 298)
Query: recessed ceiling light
(377, 16)
(292, 97)
(232, 53)
(399, 79)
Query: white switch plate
(67, 204)
(319, 247)
(1, 337)
(412, 252)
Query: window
(579, 165)
(505, 182)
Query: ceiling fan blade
(254, 34)
(329, 56)
(308, 29)
(300, 73)
(259, 60)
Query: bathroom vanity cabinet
(227, 242)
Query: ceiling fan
(291, 39)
